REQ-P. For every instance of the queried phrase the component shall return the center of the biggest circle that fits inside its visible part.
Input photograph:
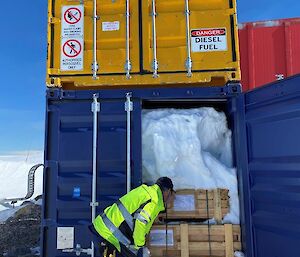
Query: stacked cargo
(186, 240)
(198, 205)
(180, 232)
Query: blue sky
(23, 65)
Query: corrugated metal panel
(272, 122)
(269, 50)
(215, 56)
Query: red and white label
(72, 38)
(72, 48)
(72, 21)
(209, 40)
(72, 15)
(71, 55)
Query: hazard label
(209, 40)
(72, 38)
(72, 55)
(72, 21)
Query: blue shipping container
(266, 141)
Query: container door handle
(154, 45)
(188, 62)
(128, 62)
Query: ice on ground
(193, 147)
(14, 172)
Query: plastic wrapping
(184, 203)
(158, 237)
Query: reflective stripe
(116, 232)
(141, 218)
(147, 214)
(126, 215)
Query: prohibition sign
(72, 15)
(72, 48)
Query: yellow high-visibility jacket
(132, 216)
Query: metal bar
(188, 62)
(95, 65)
(127, 63)
(94, 203)
(128, 109)
(155, 61)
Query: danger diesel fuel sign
(207, 40)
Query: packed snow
(194, 148)
(13, 177)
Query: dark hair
(165, 184)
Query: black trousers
(101, 244)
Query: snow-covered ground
(13, 176)
(194, 148)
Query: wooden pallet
(217, 201)
(186, 240)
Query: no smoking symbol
(72, 48)
(72, 15)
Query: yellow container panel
(215, 50)
(111, 37)
(211, 37)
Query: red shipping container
(269, 50)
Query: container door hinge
(53, 20)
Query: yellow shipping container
(113, 43)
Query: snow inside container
(193, 147)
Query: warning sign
(72, 55)
(72, 21)
(209, 40)
(72, 38)
(72, 15)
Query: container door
(272, 115)
(71, 37)
(209, 25)
(68, 159)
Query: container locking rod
(128, 62)
(95, 65)
(155, 61)
(128, 109)
(95, 109)
(188, 62)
